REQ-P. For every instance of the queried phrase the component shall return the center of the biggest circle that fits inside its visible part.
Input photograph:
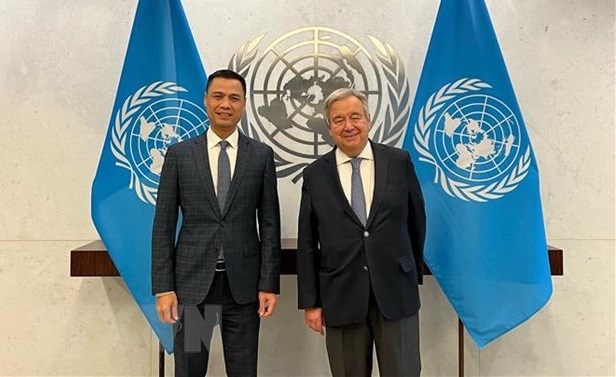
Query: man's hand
(314, 319)
(167, 308)
(267, 303)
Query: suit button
(224, 223)
(365, 268)
(366, 234)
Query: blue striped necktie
(358, 199)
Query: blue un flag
(158, 103)
(485, 242)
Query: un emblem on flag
(149, 121)
(473, 141)
(292, 76)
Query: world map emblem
(473, 140)
(291, 77)
(149, 121)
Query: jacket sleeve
(164, 229)
(416, 219)
(307, 252)
(269, 228)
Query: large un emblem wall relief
(290, 77)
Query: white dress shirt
(343, 163)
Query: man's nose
(349, 124)
(224, 102)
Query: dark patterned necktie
(224, 174)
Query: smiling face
(349, 125)
(225, 102)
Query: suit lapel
(202, 159)
(380, 179)
(244, 154)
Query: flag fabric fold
(159, 102)
(485, 242)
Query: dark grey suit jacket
(248, 226)
(340, 260)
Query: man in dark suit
(360, 247)
(227, 252)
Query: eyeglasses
(341, 121)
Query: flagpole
(161, 360)
(460, 348)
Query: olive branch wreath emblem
(124, 119)
(389, 132)
(421, 139)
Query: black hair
(225, 74)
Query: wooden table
(93, 260)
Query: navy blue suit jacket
(340, 260)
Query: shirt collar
(213, 139)
(366, 154)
